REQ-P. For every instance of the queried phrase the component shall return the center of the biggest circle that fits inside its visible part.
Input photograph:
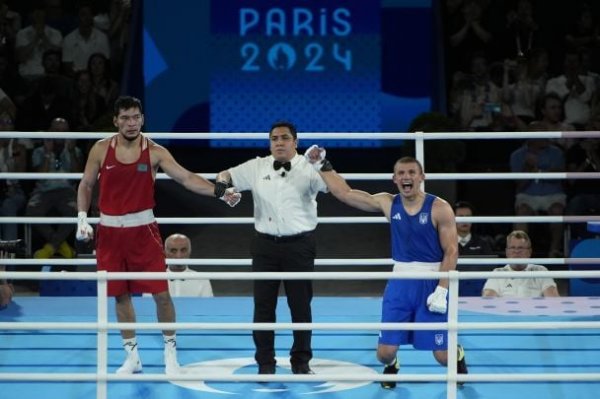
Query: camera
(16, 247)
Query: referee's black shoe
(301, 368)
(266, 369)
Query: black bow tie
(285, 165)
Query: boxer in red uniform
(128, 239)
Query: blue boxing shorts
(405, 301)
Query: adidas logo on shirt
(397, 216)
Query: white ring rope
(331, 219)
(522, 377)
(453, 275)
(453, 326)
(348, 176)
(315, 136)
(318, 262)
(521, 325)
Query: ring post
(102, 351)
(452, 333)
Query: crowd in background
(528, 65)
(513, 65)
(60, 69)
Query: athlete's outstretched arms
(337, 185)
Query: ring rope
(522, 377)
(318, 262)
(348, 176)
(350, 326)
(322, 219)
(409, 275)
(417, 136)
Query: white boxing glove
(315, 156)
(437, 301)
(84, 230)
(231, 197)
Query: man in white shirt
(32, 41)
(179, 246)
(575, 90)
(84, 41)
(284, 186)
(518, 245)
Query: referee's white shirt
(284, 201)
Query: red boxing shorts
(131, 249)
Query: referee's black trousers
(270, 254)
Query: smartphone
(492, 108)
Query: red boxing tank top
(126, 188)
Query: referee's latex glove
(437, 301)
(315, 155)
(84, 230)
(231, 197)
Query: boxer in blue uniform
(423, 234)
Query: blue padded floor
(335, 352)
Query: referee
(284, 186)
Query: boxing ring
(70, 346)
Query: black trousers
(287, 255)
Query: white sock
(170, 341)
(130, 345)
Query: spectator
(89, 106)
(469, 33)
(32, 41)
(44, 105)
(539, 195)
(574, 89)
(6, 288)
(585, 33)
(103, 83)
(10, 23)
(522, 93)
(522, 28)
(584, 156)
(469, 243)
(518, 245)
(52, 62)
(84, 41)
(475, 97)
(179, 246)
(55, 195)
(113, 17)
(13, 158)
(551, 113)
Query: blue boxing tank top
(414, 238)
